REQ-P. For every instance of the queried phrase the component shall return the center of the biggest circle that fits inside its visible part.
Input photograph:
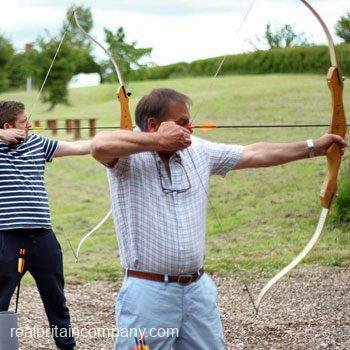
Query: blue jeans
(171, 316)
(43, 260)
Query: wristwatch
(310, 148)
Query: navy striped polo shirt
(23, 197)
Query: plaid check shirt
(160, 219)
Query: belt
(183, 279)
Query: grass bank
(267, 215)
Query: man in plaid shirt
(159, 181)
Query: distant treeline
(298, 59)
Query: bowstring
(214, 77)
(222, 61)
(36, 100)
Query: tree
(22, 65)
(283, 36)
(55, 90)
(127, 55)
(6, 54)
(84, 59)
(73, 57)
(75, 35)
(342, 28)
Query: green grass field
(267, 215)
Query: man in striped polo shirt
(25, 216)
(159, 181)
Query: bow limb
(122, 95)
(338, 127)
(296, 260)
(91, 232)
(125, 117)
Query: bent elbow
(98, 148)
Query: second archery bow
(125, 118)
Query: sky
(179, 30)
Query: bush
(6, 53)
(297, 59)
(341, 207)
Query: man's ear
(152, 124)
(7, 126)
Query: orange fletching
(208, 126)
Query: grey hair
(156, 105)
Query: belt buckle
(184, 280)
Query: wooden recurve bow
(125, 118)
(338, 127)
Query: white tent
(84, 80)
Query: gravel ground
(309, 310)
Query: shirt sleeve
(119, 167)
(222, 157)
(49, 148)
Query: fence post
(69, 125)
(52, 124)
(77, 131)
(92, 127)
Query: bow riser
(338, 127)
(336, 85)
(329, 186)
(125, 117)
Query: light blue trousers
(171, 316)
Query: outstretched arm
(265, 154)
(73, 148)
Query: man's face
(21, 122)
(178, 113)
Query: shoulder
(35, 139)
(199, 143)
(135, 163)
